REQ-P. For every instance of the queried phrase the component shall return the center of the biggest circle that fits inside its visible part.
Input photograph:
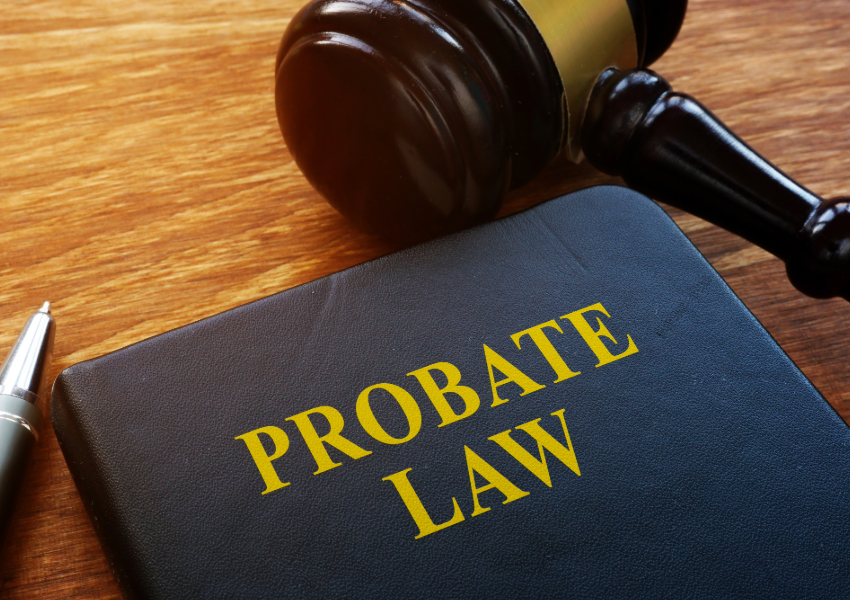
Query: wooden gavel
(414, 117)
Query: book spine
(91, 487)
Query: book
(568, 402)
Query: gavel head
(414, 117)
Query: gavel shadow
(561, 177)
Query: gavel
(414, 117)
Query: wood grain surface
(145, 185)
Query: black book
(566, 403)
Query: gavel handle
(670, 147)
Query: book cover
(566, 403)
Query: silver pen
(23, 379)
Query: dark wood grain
(145, 185)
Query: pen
(23, 378)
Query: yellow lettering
(476, 464)
(544, 441)
(437, 395)
(562, 371)
(405, 401)
(511, 373)
(316, 443)
(417, 509)
(593, 338)
(263, 460)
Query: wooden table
(145, 185)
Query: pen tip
(45, 308)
